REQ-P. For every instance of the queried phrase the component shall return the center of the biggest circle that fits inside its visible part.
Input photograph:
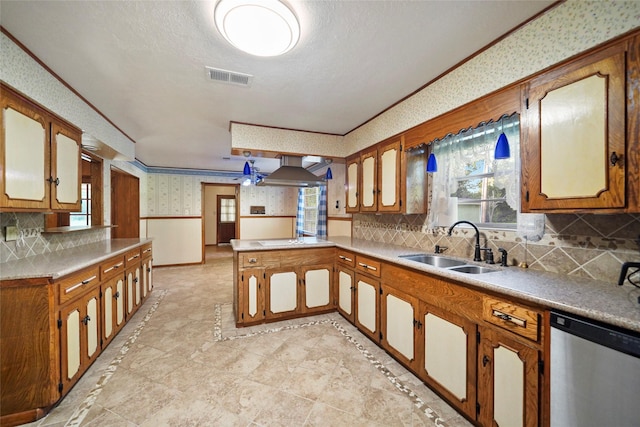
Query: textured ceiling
(142, 64)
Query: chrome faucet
(476, 252)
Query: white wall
(267, 227)
(176, 240)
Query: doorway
(125, 205)
(220, 214)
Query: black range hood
(291, 174)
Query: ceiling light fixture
(258, 27)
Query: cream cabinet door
(252, 299)
(508, 373)
(281, 293)
(65, 168)
(119, 301)
(448, 363)
(91, 322)
(25, 156)
(366, 316)
(574, 153)
(345, 293)
(389, 164)
(353, 187)
(400, 325)
(368, 165)
(317, 288)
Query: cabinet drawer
(346, 258)
(112, 267)
(259, 259)
(147, 251)
(77, 283)
(520, 320)
(132, 257)
(368, 266)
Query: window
(228, 209)
(310, 215)
(84, 216)
(470, 184)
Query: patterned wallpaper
(570, 28)
(286, 141)
(22, 72)
(180, 194)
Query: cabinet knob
(485, 360)
(252, 260)
(116, 295)
(86, 320)
(54, 181)
(614, 158)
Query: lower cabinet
(52, 331)
(80, 337)
(282, 284)
(345, 292)
(317, 293)
(112, 308)
(400, 325)
(133, 289)
(448, 364)
(252, 288)
(281, 293)
(367, 307)
(508, 371)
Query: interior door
(226, 218)
(125, 205)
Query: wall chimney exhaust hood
(292, 174)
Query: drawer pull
(133, 257)
(253, 260)
(344, 258)
(146, 250)
(77, 285)
(368, 267)
(113, 267)
(509, 318)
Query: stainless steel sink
(472, 269)
(434, 260)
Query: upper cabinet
(578, 151)
(381, 177)
(40, 158)
(353, 183)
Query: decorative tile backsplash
(593, 246)
(31, 241)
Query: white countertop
(598, 300)
(60, 263)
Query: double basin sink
(450, 264)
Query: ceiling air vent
(230, 77)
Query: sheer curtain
(455, 152)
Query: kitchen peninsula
(478, 340)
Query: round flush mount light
(258, 27)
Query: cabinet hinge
(242, 277)
(540, 367)
(526, 102)
(264, 312)
(59, 323)
(100, 293)
(478, 338)
(527, 196)
(60, 387)
(380, 291)
(264, 275)
(400, 202)
(242, 316)
(477, 409)
(380, 336)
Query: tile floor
(181, 362)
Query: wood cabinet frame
(52, 125)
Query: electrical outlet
(11, 233)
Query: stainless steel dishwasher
(595, 374)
